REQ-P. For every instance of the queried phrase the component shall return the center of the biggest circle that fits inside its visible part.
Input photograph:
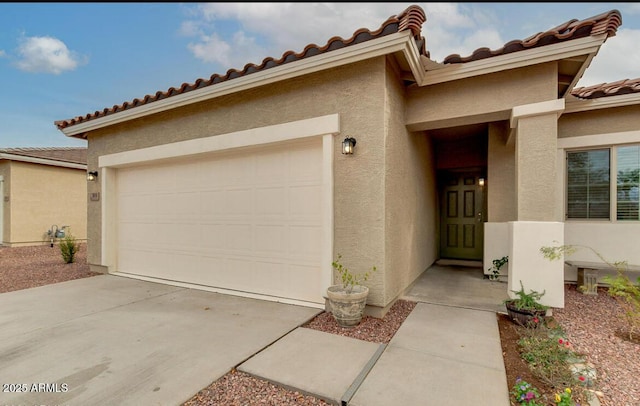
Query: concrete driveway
(109, 340)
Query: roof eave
(576, 105)
(401, 41)
(588, 45)
(42, 161)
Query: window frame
(613, 182)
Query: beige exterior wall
(356, 92)
(501, 180)
(603, 121)
(536, 168)
(41, 196)
(480, 99)
(411, 221)
(5, 173)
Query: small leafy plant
(69, 248)
(527, 301)
(525, 394)
(564, 398)
(497, 264)
(349, 279)
(627, 295)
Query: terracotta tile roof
(76, 155)
(608, 89)
(411, 19)
(605, 23)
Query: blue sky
(62, 60)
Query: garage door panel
(271, 240)
(211, 204)
(271, 201)
(239, 238)
(305, 201)
(307, 241)
(269, 168)
(305, 165)
(239, 170)
(184, 177)
(304, 277)
(140, 207)
(247, 220)
(184, 237)
(139, 235)
(177, 207)
(238, 202)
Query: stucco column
(535, 132)
(534, 129)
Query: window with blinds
(627, 182)
(588, 184)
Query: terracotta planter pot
(347, 308)
(524, 317)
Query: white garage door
(248, 220)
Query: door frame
(480, 173)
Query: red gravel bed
(240, 389)
(370, 328)
(28, 267)
(594, 326)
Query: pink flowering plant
(549, 354)
(525, 394)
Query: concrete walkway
(113, 340)
(441, 356)
(458, 286)
(109, 340)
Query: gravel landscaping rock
(28, 267)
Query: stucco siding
(480, 99)
(501, 182)
(536, 168)
(603, 121)
(410, 197)
(355, 92)
(42, 196)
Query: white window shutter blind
(588, 182)
(628, 182)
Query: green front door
(462, 215)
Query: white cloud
(2, 53)
(46, 54)
(270, 29)
(618, 55)
(211, 48)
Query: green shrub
(69, 248)
(627, 294)
(623, 289)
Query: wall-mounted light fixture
(481, 181)
(347, 145)
(92, 176)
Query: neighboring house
(237, 182)
(42, 190)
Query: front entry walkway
(458, 286)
